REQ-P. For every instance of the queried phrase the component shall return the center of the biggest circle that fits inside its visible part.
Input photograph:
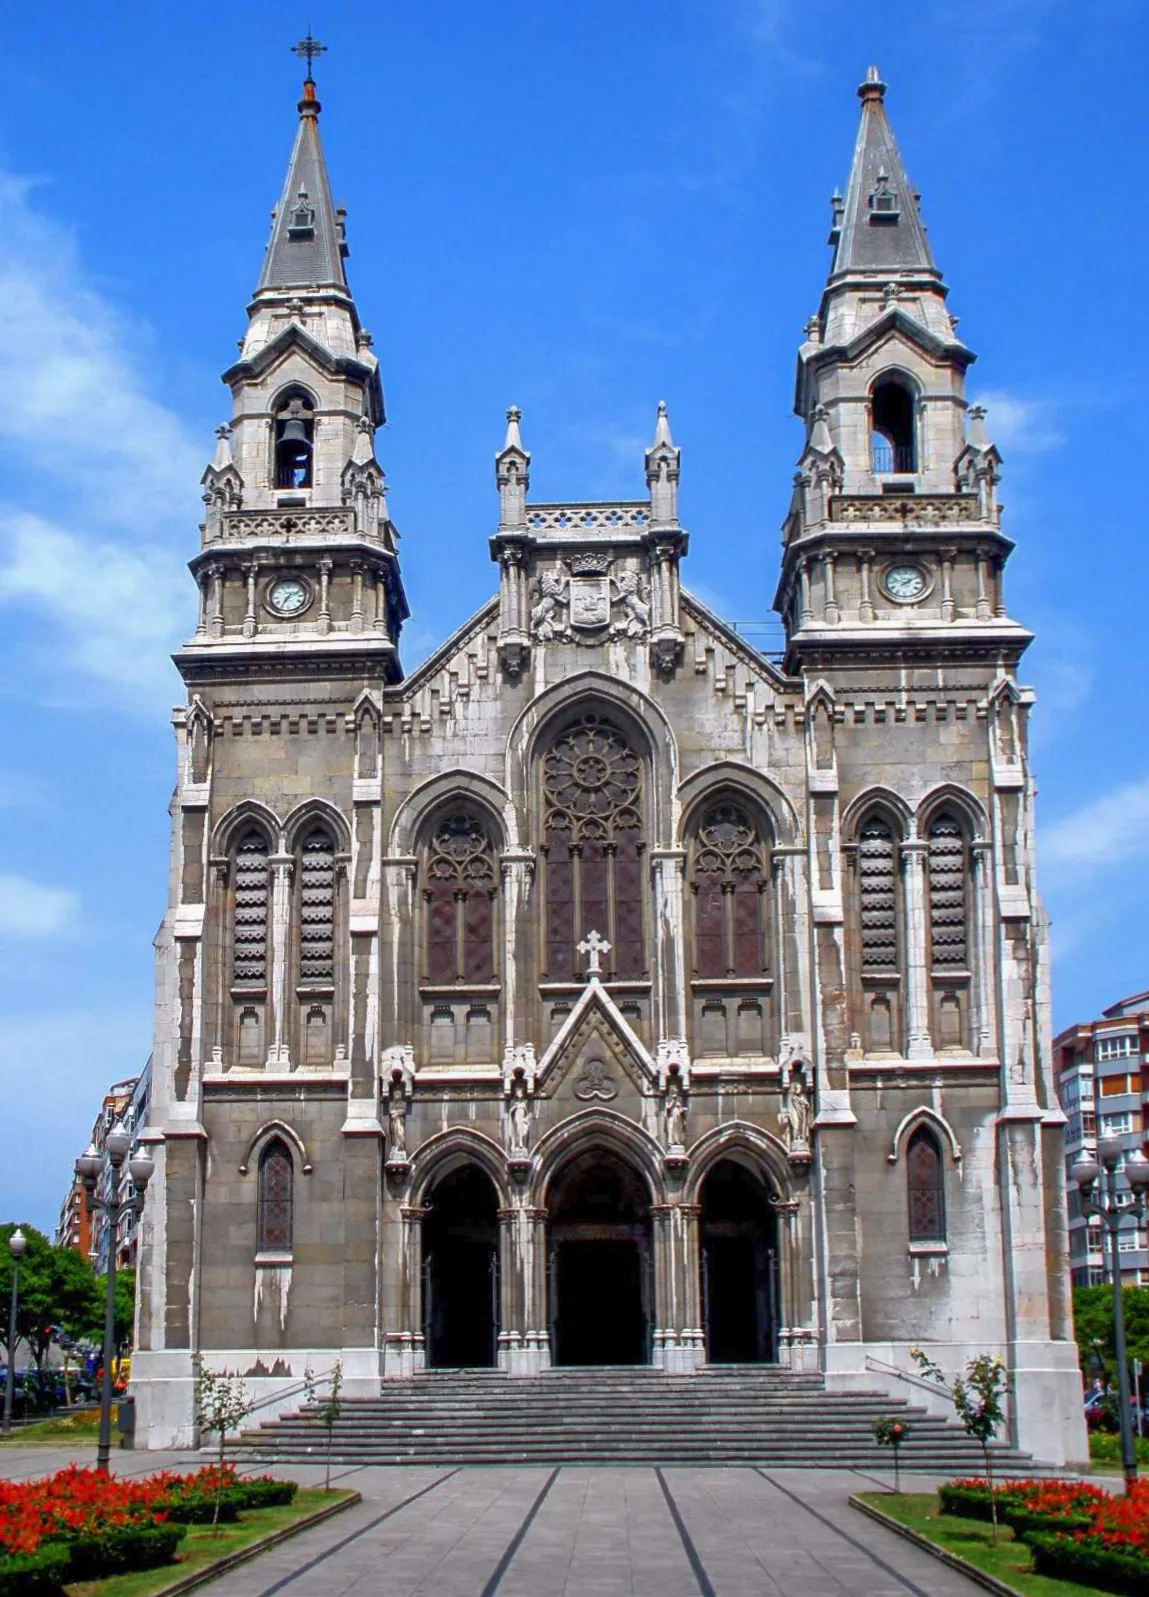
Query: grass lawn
(200, 1548)
(82, 1427)
(1009, 1561)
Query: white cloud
(1106, 831)
(101, 471)
(28, 909)
(1023, 426)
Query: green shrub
(1024, 1523)
(198, 1508)
(1090, 1564)
(120, 1550)
(266, 1493)
(972, 1502)
(38, 1574)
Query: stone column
(669, 996)
(323, 616)
(982, 611)
(250, 625)
(807, 609)
(913, 863)
(982, 1007)
(510, 1336)
(664, 1338)
(866, 604)
(832, 612)
(215, 620)
(949, 609)
(691, 1336)
(517, 871)
(537, 1352)
(279, 991)
(404, 1348)
(357, 596)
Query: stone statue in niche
(797, 1111)
(396, 1124)
(519, 1118)
(674, 1115)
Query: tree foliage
(1093, 1325)
(57, 1289)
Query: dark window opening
(892, 427)
(600, 1263)
(250, 906)
(294, 440)
(739, 1254)
(276, 1219)
(925, 1188)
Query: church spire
(877, 227)
(307, 245)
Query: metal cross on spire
(307, 49)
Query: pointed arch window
(925, 1187)
(948, 886)
(877, 981)
(730, 879)
(593, 846)
(294, 425)
(461, 881)
(317, 909)
(276, 1199)
(893, 428)
(249, 912)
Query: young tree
(327, 1411)
(891, 1431)
(57, 1288)
(221, 1405)
(978, 1398)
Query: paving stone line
(517, 1539)
(688, 1547)
(888, 1569)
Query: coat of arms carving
(592, 601)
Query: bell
(295, 432)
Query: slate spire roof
(306, 248)
(877, 227)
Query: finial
(222, 457)
(364, 451)
(307, 49)
(662, 426)
(513, 438)
(977, 435)
(872, 88)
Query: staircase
(729, 1414)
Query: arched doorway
(461, 1270)
(600, 1262)
(739, 1233)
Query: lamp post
(89, 1167)
(1104, 1205)
(17, 1242)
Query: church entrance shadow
(461, 1271)
(739, 1267)
(600, 1263)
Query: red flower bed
(81, 1502)
(1105, 1543)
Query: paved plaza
(578, 1532)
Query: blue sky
(580, 210)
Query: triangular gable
(457, 643)
(595, 1003)
(895, 320)
(295, 337)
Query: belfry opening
(600, 1262)
(739, 1254)
(461, 1271)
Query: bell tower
(298, 559)
(893, 540)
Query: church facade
(605, 992)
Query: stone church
(604, 992)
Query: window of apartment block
(1116, 1048)
(1118, 1125)
(1113, 1086)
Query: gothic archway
(461, 1270)
(740, 1266)
(600, 1262)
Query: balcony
(888, 458)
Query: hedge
(1091, 1564)
(38, 1574)
(122, 1549)
(973, 1502)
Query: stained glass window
(276, 1175)
(926, 1188)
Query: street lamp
(1085, 1171)
(17, 1242)
(89, 1167)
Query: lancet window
(878, 987)
(949, 931)
(730, 880)
(249, 914)
(893, 444)
(276, 1198)
(593, 847)
(317, 909)
(294, 440)
(461, 883)
(925, 1188)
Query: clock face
(905, 582)
(287, 595)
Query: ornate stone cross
(592, 946)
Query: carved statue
(396, 1123)
(519, 1118)
(636, 611)
(552, 593)
(675, 1114)
(796, 1112)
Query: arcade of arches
(599, 1235)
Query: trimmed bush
(122, 1549)
(972, 1502)
(1026, 1522)
(266, 1493)
(38, 1574)
(198, 1508)
(1091, 1563)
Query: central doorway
(461, 1271)
(600, 1250)
(740, 1299)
